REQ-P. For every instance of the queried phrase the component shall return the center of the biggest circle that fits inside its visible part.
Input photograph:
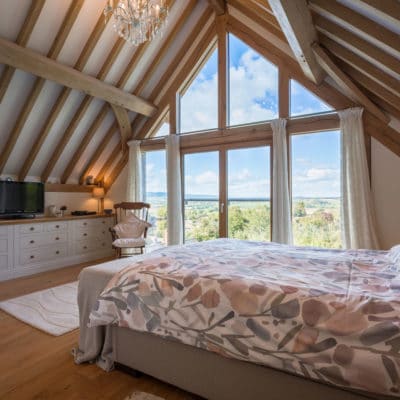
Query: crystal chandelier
(137, 21)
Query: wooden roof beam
(62, 98)
(219, 6)
(357, 23)
(389, 10)
(124, 124)
(295, 19)
(348, 86)
(54, 51)
(22, 40)
(356, 44)
(46, 68)
(96, 155)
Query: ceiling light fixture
(137, 21)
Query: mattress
(328, 315)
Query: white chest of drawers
(47, 243)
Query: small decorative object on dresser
(63, 209)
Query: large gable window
(316, 189)
(199, 103)
(253, 85)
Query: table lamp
(99, 193)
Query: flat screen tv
(21, 199)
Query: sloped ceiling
(55, 134)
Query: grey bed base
(215, 377)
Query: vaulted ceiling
(55, 132)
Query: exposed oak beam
(96, 155)
(346, 83)
(356, 44)
(22, 40)
(62, 98)
(389, 10)
(357, 23)
(46, 68)
(86, 102)
(296, 22)
(219, 6)
(390, 82)
(54, 51)
(124, 125)
(84, 142)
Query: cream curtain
(174, 189)
(358, 217)
(134, 186)
(281, 213)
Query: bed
(230, 319)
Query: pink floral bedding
(328, 315)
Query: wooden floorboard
(38, 366)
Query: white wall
(73, 201)
(386, 192)
(117, 192)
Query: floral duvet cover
(328, 315)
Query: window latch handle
(222, 208)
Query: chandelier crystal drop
(137, 21)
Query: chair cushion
(131, 227)
(129, 243)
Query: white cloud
(206, 178)
(317, 182)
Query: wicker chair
(130, 217)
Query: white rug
(143, 396)
(54, 310)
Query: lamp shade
(98, 192)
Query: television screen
(21, 197)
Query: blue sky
(253, 86)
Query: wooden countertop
(50, 219)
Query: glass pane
(163, 130)
(303, 102)
(316, 189)
(199, 104)
(155, 193)
(201, 194)
(249, 209)
(253, 85)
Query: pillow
(131, 227)
(394, 254)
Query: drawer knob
(85, 234)
(57, 252)
(32, 241)
(104, 232)
(32, 228)
(85, 223)
(103, 222)
(85, 247)
(57, 226)
(32, 257)
(57, 238)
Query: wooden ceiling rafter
(295, 20)
(259, 17)
(62, 98)
(348, 86)
(361, 64)
(165, 47)
(389, 10)
(83, 107)
(356, 44)
(49, 69)
(116, 152)
(137, 56)
(33, 95)
(357, 23)
(219, 6)
(22, 39)
(98, 152)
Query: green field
(316, 221)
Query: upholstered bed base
(215, 377)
